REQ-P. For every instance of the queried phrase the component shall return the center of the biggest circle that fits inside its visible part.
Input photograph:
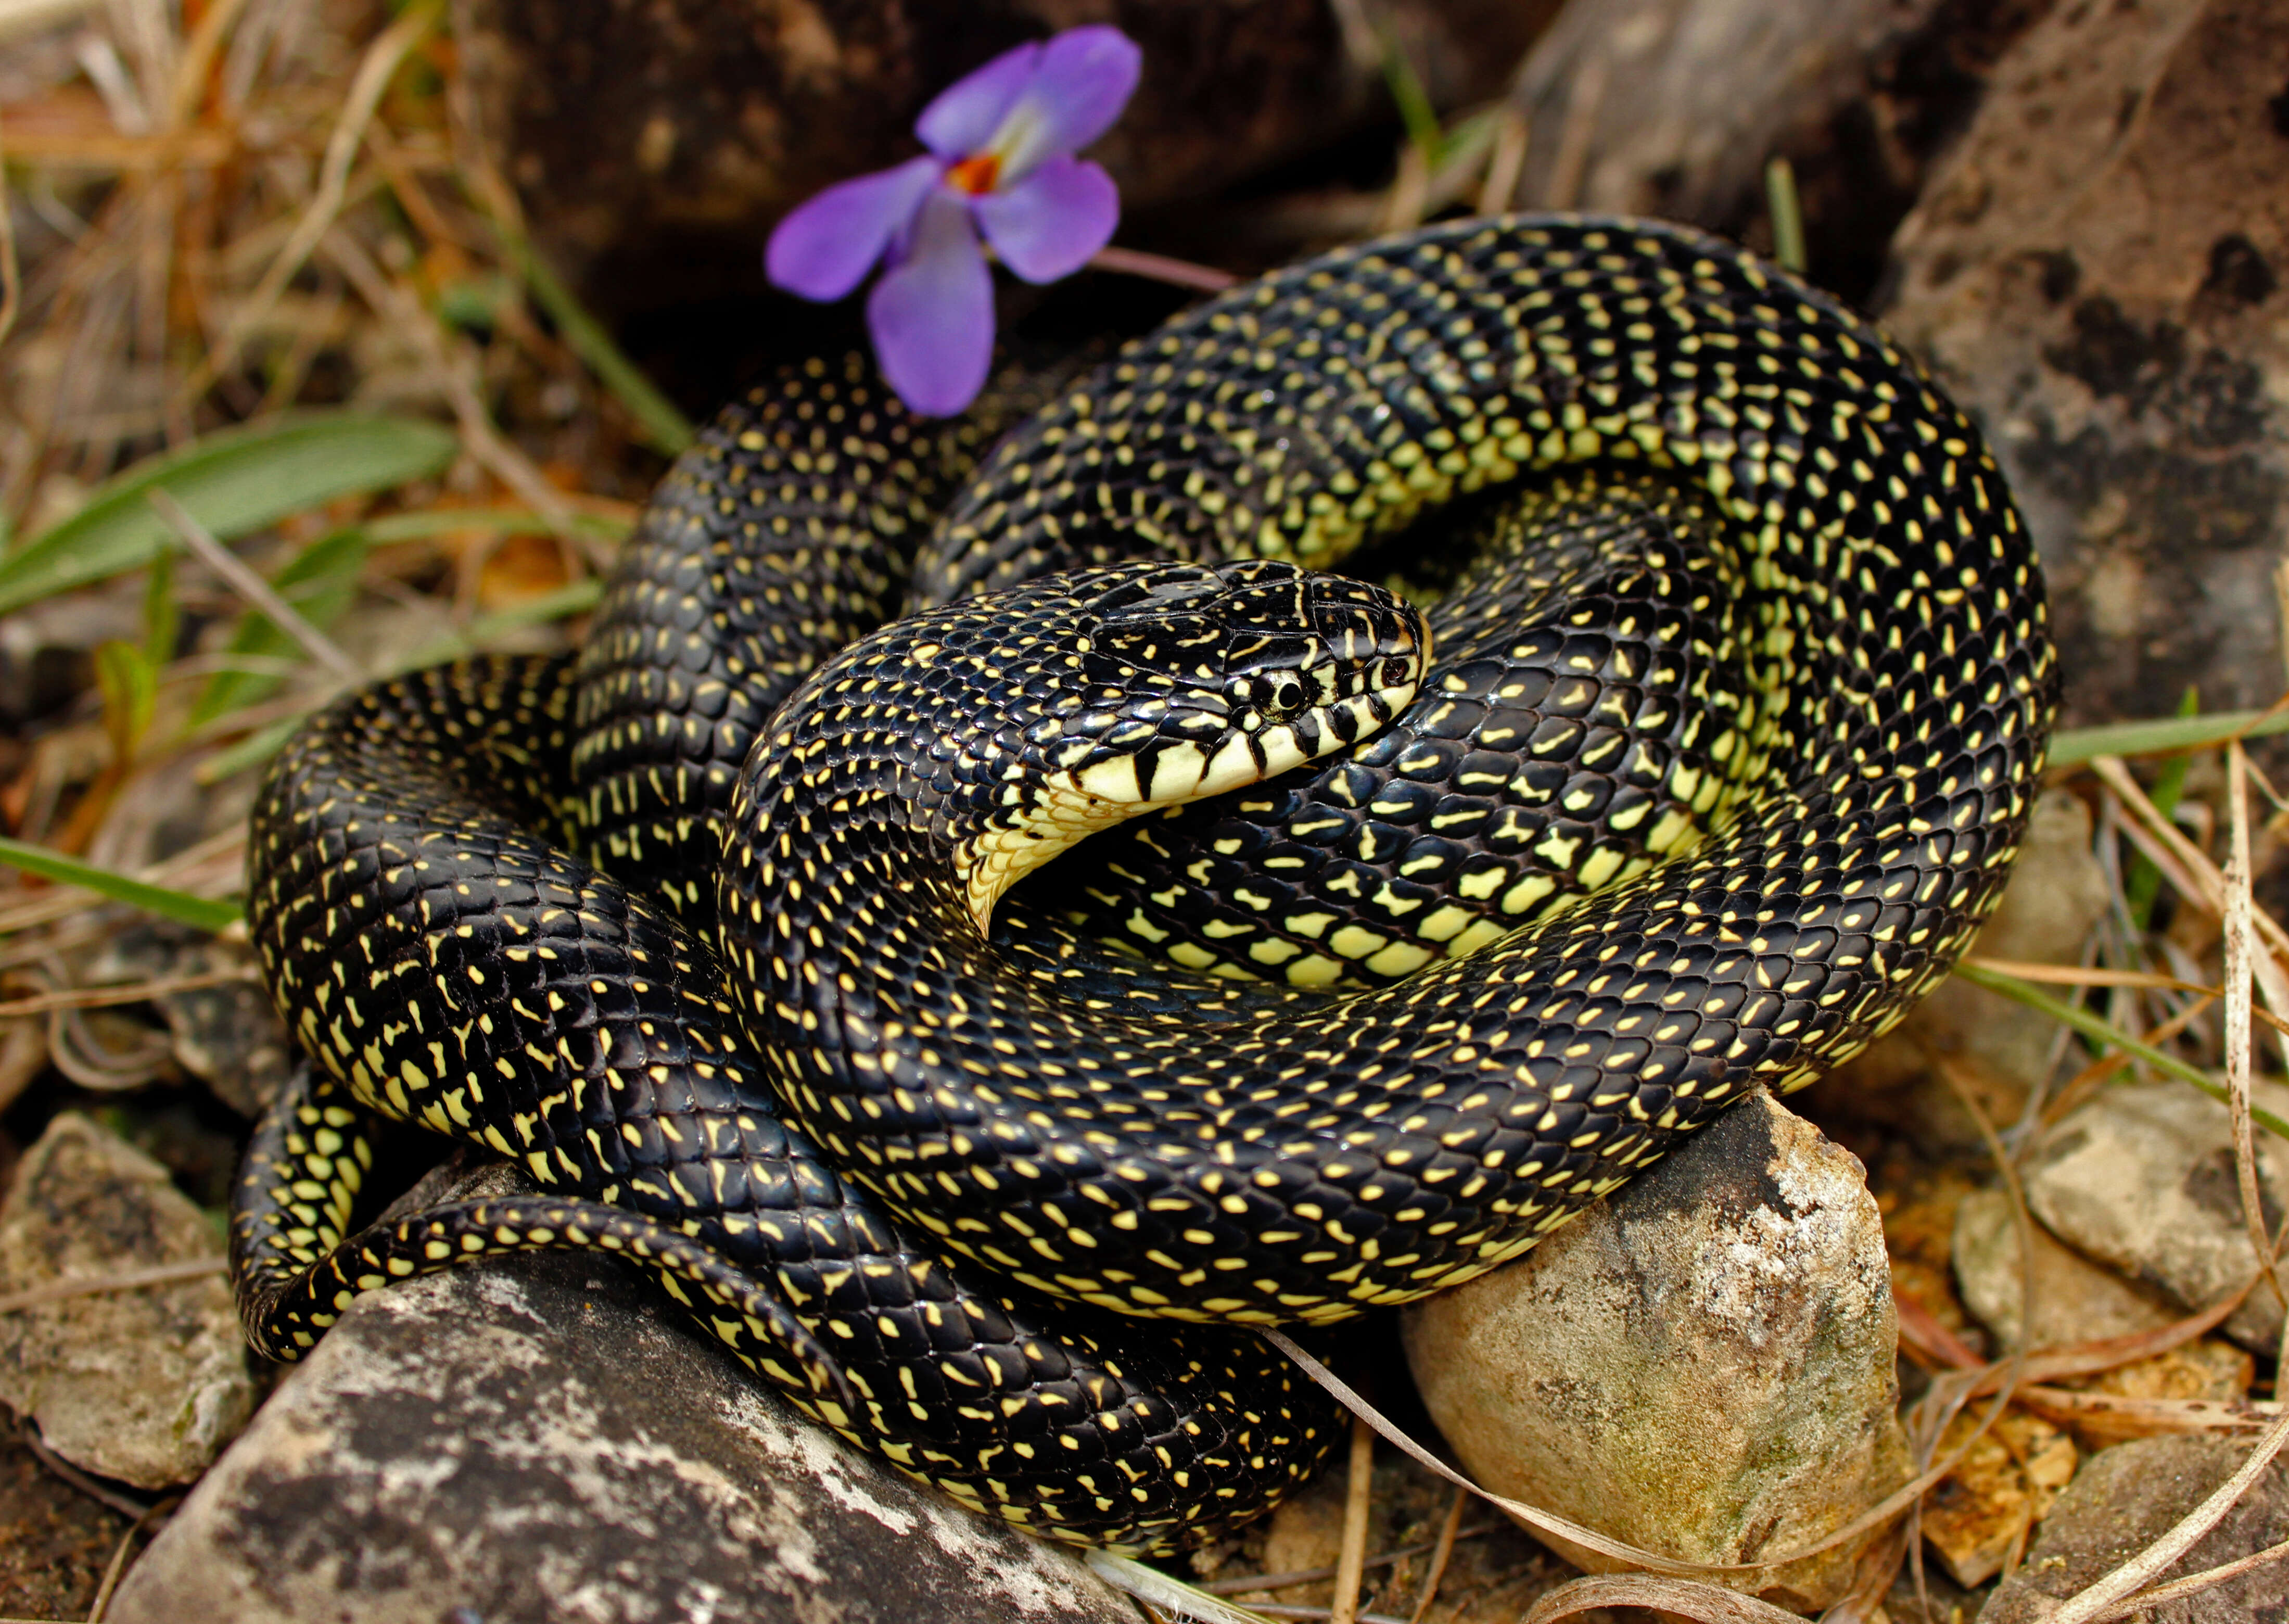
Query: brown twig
(1240, 1584)
(129, 992)
(118, 1566)
(1448, 1534)
(1358, 1501)
(1620, 1551)
(28, 1435)
(128, 1280)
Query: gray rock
(2095, 273)
(2143, 1180)
(2124, 1497)
(1702, 1366)
(145, 1386)
(2076, 1301)
(1672, 108)
(539, 1440)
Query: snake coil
(714, 937)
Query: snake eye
(1286, 698)
(1396, 672)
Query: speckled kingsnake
(1786, 525)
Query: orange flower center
(975, 175)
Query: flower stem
(1161, 267)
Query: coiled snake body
(1699, 795)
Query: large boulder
(1702, 1364)
(544, 1441)
(2096, 271)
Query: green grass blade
(500, 521)
(320, 581)
(198, 912)
(575, 598)
(233, 483)
(667, 429)
(2075, 744)
(1787, 211)
(255, 750)
(2100, 1031)
(1413, 100)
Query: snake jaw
(1075, 805)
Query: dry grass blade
(2090, 1358)
(2098, 1600)
(2114, 1417)
(1508, 162)
(383, 57)
(12, 271)
(252, 588)
(2192, 1584)
(2084, 975)
(2239, 908)
(1566, 166)
(2083, 1359)
(1549, 1522)
(1682, 1597)
(214, 25)
(1160, 1592)
(131, 992)
(2092, 1078)
(455, 371)
(118, 1568)
(1934, 1344)
(1239, 1583)
(2207, 885)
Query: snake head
(1226, 676)
(1176, 681)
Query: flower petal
(1048, 224)
(824, 248)
(962, 117)
(931, 314)
(1082, 81)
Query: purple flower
(1000, 161)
